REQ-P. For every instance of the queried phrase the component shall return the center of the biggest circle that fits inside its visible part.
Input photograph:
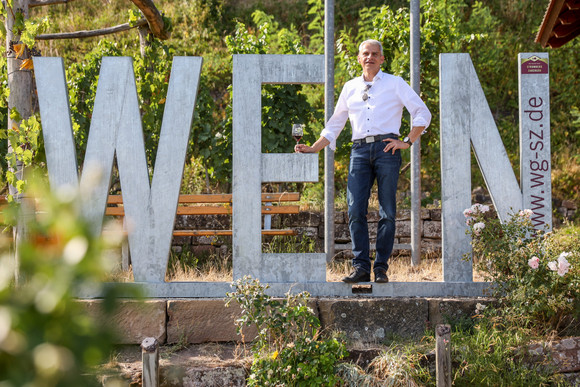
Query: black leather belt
(369, 139)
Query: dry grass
(400, 270)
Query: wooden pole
(443, 355)
(20, 84)
(92, 33)
(150, 358)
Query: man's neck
(368, 77)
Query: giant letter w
(116, 128)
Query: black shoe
(357, 276)
(381, 277)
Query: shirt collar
(378, 76)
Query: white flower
(467, 212)
(553, 265)
(479, 308)
(563, 264)
(527, 213)
(477, 227)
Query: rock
(373, 320)
(133, 320)
(204, 320)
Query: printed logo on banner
(535, 65)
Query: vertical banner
(535, 162)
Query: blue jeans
(367, 163)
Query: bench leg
(125, 254)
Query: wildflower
(477, 227)
(534, 262)
(274, 355)
(527, 213)
(479, 308)
(563, 264)
(553, 265)
(467, 212)
(483, 208)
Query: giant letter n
(465, 118)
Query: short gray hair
(371, 41)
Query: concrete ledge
(373, 320)
(196, 321)
(133, 320)
(204, 320)
(443, 311)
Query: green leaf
(15, 115)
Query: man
(374, 104)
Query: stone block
(569, 204)
(310, 232)
(181, 240)
(435, 213)
(133, 320)
(341, 233)
(374, 320)
(431, 229)
(198, 321)
(198, 376)
(204, 320)
(303, 219)
(339, 217)
(373, 217)
(430, 245)
(403, 229)
(564, 354)
(203, 222)
(451, 311)
(425, 214)
(404, 214)
(373, 231)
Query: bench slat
(227, 232)
(221, 198)
(213, 210)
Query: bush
(536, 273)
(289, 349)
(46, 337)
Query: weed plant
(290, 349)
(536, 274)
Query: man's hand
(316, 147)
(393, 144)
(303, 148)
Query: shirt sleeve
(336, 123)
(416, 107)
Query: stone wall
(310, 227)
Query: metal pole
(416, 148)
(328, 110)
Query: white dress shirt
(381, 113)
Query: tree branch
(153, 17)
(41, 3)
(89, 34)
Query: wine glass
(297, 132)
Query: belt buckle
(369, 139)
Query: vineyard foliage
(492, 32)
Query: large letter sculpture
(116, 128)
(252, 168)
(466, 118)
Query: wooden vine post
(443, 355)
(21, 86)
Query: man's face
(370, 58)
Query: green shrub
(46, 336)
(289, 349)
(536, 274)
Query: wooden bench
(220, 204)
